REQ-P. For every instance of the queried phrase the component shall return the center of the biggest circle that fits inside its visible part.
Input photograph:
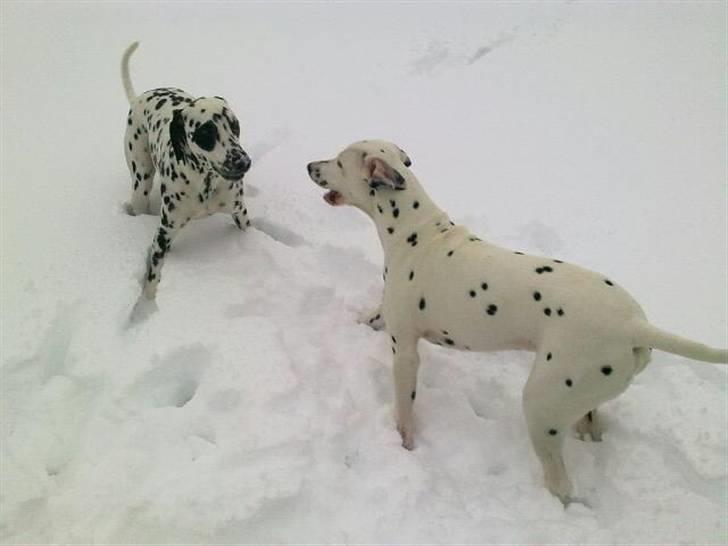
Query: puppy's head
(208, 130)
(355, 175)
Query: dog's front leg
(240, 215)
(406, 364)
(166, 232)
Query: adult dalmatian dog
(194, 146)
(449, 287)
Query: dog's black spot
(411, 275)
(130, 145)
(390, 230)
(544, 269)
(449, 341)
(547, 311)
(379, 207)
(412, 239)
(472, 293)
(548, 356)
(445, 333)
(394, 339)
(450, 253)
(553, 432)
(394, 351)
(422, 304)
(606, 370)
(590, 416)
(484, 286)
(392, 203)
(395, 213)
(537, 296)
(372, 193)
(569, 382)
(416, 205)
(560, 312)
(413, 395)
(519, 253)
(339, 164)
(492, 309)
(160, 104)
(610, 283)
(558, 261)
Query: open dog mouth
(333, 198)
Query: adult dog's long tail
(646, 335)
(125, 79)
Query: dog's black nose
(241, 161)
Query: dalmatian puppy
(447, 286)
(193, 144)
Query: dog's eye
(235, 127)
(206, 136)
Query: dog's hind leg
(141, 167)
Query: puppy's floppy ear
(404, 157)
(380, 173)
(178, 136)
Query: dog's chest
(214, 194)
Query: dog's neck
(406, 216)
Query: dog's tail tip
(647, 335)
(125, 78)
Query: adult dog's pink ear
(380, 173)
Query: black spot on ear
(177, 135)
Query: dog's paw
(589, 427)
(128, 209)
(405, 432)
(142, 310)
(373, 319)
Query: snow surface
(251, 407)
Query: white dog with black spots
(443, 284)
(193, 144)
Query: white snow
(251, 407)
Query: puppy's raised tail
(646, 335)
(125, 79)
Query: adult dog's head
(207, 132)
(361, 169)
